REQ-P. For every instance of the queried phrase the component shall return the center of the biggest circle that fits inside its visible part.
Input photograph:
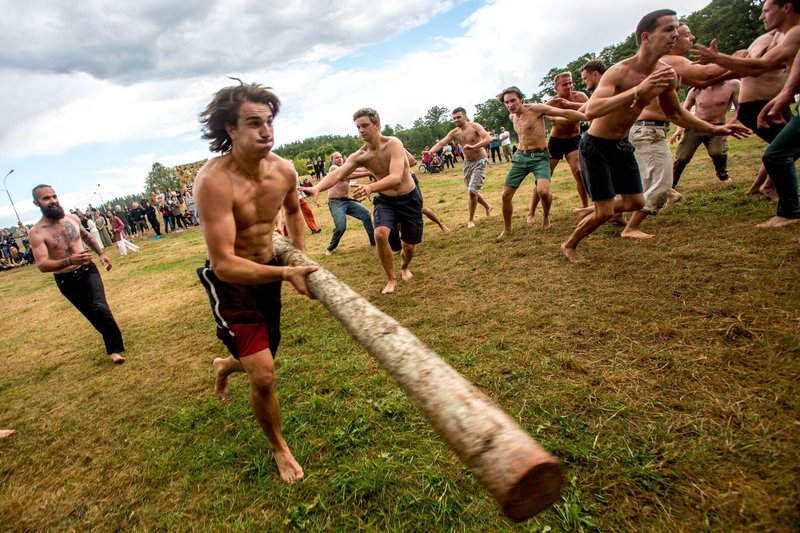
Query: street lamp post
(100, 195)
(5, 188)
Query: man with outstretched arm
(781, 154)
(398, 202)
(607, 159)
(532, 156)
(712, 105)
(56, 244)
(564, 137)
(238, 196)
(473, 139)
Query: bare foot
(778, 222)
(546, 223)
(5, 433)
(728, 182)
(221, 387)
(503, 235)
(445, 230)
(582, 212)
(328, 253)
(673, 197)
(618, 220)
(470, 224)
(289, 469)
(406, 275)
(635, 234)
(572, 254)
(489, 211)
(531, 219)
(770, 193)
(117, 358)
(389, 288)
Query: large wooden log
(522, 476)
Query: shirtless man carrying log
(473, 140)
(564, 137)
(238, 196)
(607, 159)
(532, 156)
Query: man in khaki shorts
(473, 140)
(532, 156)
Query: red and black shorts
(248, 316)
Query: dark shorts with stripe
(559, 148)
(248, 317)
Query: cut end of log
(539, 488)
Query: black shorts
(748, 113)
(559, 148)
(404, 211)
(609, 167)
(248, 316)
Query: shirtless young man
(564, 137)
(712, 105)
(783, 16)
(608, 163)
(474, 139)
(785, 149)
(399, 201)
(238, 196)
(56, 244)
(532, 156)
(649, 136)
(591, 72)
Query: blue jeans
(340, 208)
(779, 161)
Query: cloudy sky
(93, 92)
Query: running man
(341, 206)
(564, 138)
(398, 202)
(56, 244)
(474, 139)
(712, 105)
(532, 156)
(238, 196)
(608, 163)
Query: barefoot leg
(222, 369)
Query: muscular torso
(712, 103)
(377, 161)
(567, 130)
(62, 238)
(529, 125)
(256, 201)
(469, 135)
(627, 74)
(767, 85)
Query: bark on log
(519, 474)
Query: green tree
(493, 115)
(161, 177)
(734, 23)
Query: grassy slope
(663, 376)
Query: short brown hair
(223, 110)
(370, 113)
(40, 186)
(650, 22)
(595, 65)
(512, 89)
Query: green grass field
(663, 375)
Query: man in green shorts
(532, 155)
